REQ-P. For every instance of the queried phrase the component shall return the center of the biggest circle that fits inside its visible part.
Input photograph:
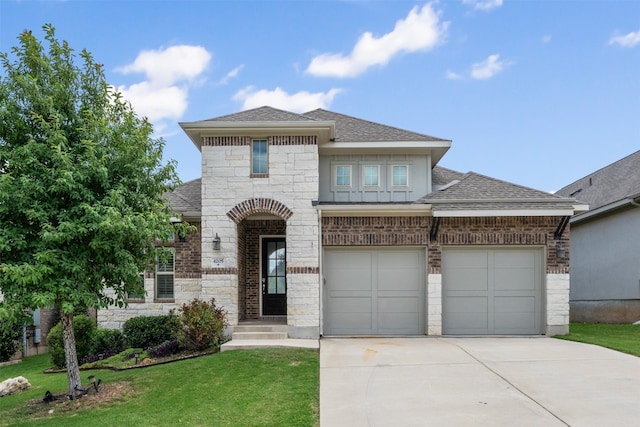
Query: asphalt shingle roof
(612, 183)
(479, 192)
(262, 114)
(352, 129)
(186, 199)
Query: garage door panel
(398, 323)
(468, 259)
(467, 279)
(391, 281)
(356, 321)
(512, 279)
(513, 323)
(475, 323)
(512, 303)
(398, 305)
(511, 259)
(352, 305)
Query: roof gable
(612, 183)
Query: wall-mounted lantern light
(216, 243)
(560, 250)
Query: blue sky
(539, 93)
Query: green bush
(108, 341)
(200, 325)
(148, 331)
(10, 334)
(84, 330)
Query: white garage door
(374, 291)
(492, 291)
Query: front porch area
(265, 333)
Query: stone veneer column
(434, 304)
(557, 304)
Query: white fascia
(375, 210)
(501, 212)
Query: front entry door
(274, 277)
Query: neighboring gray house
(333, 225)
(605, 243)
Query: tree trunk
(71, 358)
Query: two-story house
(341, 226)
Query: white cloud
(483, 4)
(172, 64)
(420, 30)
(298, 102)
(156, 102)
(169, 74)
(630, 40)
(488, 68)
(231, 75)
(546, 39)
(453, 76)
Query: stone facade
(233, 198)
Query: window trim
(364, 175)
(335, 174)
(393, 184)
(253, 173)
(171, 273)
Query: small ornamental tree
(82, 186)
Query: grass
(265, 387)
(621, 337)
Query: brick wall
(468, 231)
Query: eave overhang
(437, 149)
(500, 212)
(374, 209)
(325, 130)
(631, 201)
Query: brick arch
(259, 205)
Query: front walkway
(476, 381)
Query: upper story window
(259, 157)
(343, 176)
(165, 269)
(371, 175)
(400, 175)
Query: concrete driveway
(489, 381)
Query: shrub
(165, 349)
(10, 333)
(108, 340)
(84, 330)
(148, 331)
(200, 325)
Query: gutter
(633, 200)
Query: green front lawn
(265, 387)
(621, 337)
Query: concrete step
(260, 328)
(259, 335)
(280, 343)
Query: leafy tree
(81, 186)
